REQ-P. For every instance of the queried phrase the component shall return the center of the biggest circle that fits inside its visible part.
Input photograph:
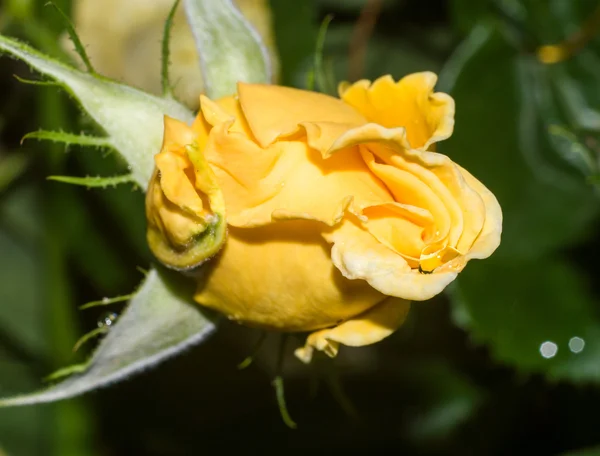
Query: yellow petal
(367, 328)
(488, 239)
(225, 110)
(173, 164)
(168, 219)
(410, 103)
(177, 133)
(322, 136)
(175, 183)
(275, 111)
(391, 225)
(409, 189)
(280, 276)
(358, 255)
(423, 179)
(214, 113)
(288, 180)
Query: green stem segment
(278, 385)
(249, 359)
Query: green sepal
(200, 248)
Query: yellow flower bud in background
(338, 212)
(123, 41)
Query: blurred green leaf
(20, 9)
(124, 204)
(24, 431)
(595, 451)
(295, 26)
(539, 316)
(20, 290)
(572, 150)
(466, 14)
(383, 55)
(25, 353)
(87, 244)
(11, 167)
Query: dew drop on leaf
(107, 319)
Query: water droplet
(576, 344)
(107, 319)
(548, 349)
(105, 300)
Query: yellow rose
(338, 214)
(123, 41)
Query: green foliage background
(465, 375)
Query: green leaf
(132, 119)
(230, 49)
(158, 323)
(539, 316)
(94, 181)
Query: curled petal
(488, 239)
(276, 112)
(358, 255)
(321, 136)
(288, 180)
(423, 179)
(428, 117)
(399, 227)
(367, 328)
(224, 110)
